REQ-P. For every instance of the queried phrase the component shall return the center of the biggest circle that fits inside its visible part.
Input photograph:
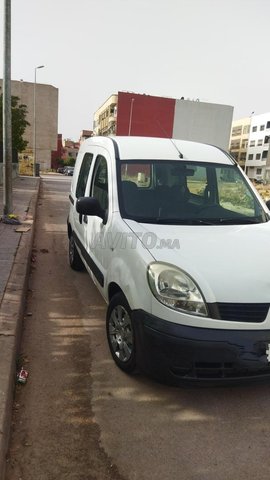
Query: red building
(57, 154)
(144, 115)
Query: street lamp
(34, 127)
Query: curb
(11, 317)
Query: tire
(74, 258)
(121, 333)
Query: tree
(70, 162)
(19, 123)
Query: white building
(258, 147)
(239, 140)
(203, 122)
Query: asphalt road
(80, 417)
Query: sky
(216, 51)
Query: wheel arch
(69, 229)
(129, 277)
(113, 289)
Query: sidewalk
(15, 257)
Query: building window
(242, 157)
(252, 143)
(258, 156)
(268, 125)
(235, 144)
(247, 129)
(236, 131)
(266, 139)
(244, 144)
(262, 127)
(264, 154)
(260, 142)
(254, 129)
(259, 171)
(250, 157)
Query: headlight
(175, 289)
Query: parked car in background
(69, 171)
(60, 170)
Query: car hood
(230, 263)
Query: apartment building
(239, 140)
(84, 135)
(258, 147)
(46, 118)
(105, 117)
(70, 150)
(135, 114)
(249, 145)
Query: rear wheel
(73, 256)
(120, 333)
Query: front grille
(218, 370)
(243, 312)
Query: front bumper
(179, 354)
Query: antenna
(180, 153)
(169, 138)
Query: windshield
(179, 192)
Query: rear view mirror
(180, 171)
(90, 206)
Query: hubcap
(120, 333)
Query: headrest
(129, 186)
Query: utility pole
(35, 124)
(7, 132)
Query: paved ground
(54, 434)
(15, 255)
(147, 429)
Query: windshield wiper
(238, 221)
(183, 221)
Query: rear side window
(100, 182)
(83, 175)
(139, 173)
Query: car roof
(143, 148)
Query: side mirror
(90, 206)
(268, 204)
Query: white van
(177, 240)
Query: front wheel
(120, 333)
(74, 258)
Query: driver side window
(100, 182)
